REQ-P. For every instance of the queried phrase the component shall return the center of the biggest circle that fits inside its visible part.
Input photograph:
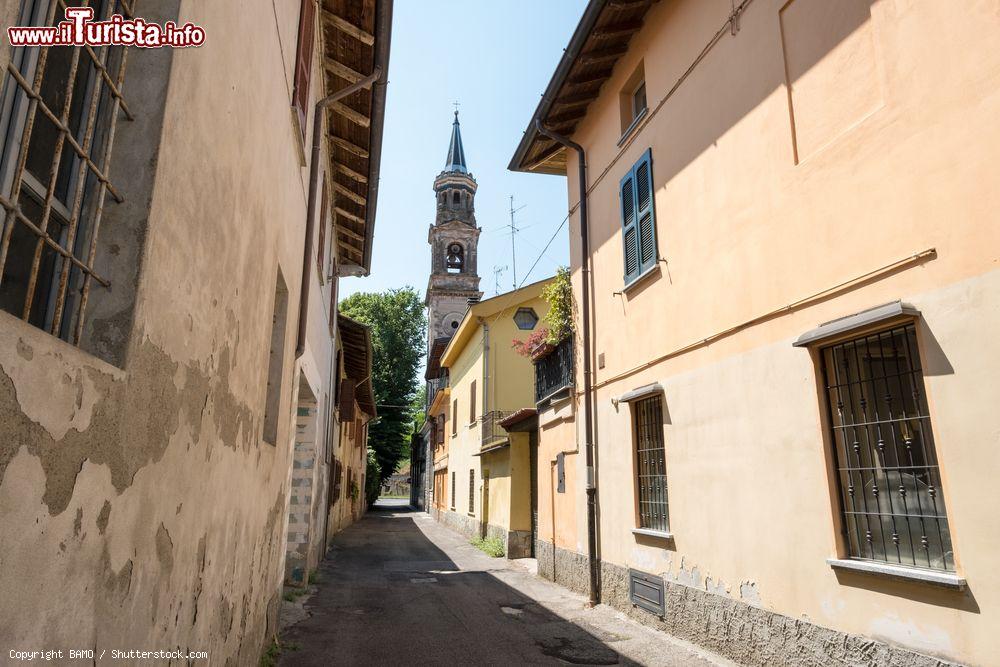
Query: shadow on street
(392, 596)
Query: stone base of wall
(519, 544)
(566, 568)
(750, 635)
(462, 523)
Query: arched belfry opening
(455, 259)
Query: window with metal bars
(887, 469)
(472, 490)
(651, 464)
(454, 490)
(59, 108)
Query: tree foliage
(398, 325)
(373, 479)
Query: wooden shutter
(347, 400)
(454, 416)
(303, 61)
(472, 403)
(638, 218)
(630, 235)
(645, 212)
(338, 472)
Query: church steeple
(456, 153)
(454, 239)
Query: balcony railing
(492, 432)
(554, 372)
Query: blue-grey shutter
(645, 211)
(630, 232)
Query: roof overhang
(484, 309)
(522, 421)
(600, 39)
(434, 357)
(356, 36)
(357, 341)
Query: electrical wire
(544, 250)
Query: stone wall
(566, 568)
(750, 635)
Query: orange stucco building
(787, 285)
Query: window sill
(632, 126)
(648, 532)
(944, 579)
(642, 278)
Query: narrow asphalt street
(399, 589)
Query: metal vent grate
(646, 591)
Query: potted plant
(558, 320)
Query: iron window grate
(58, 118)
(887, 468)
(472, 491)
(651, 465)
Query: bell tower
(453, 238)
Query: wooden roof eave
(601, 38)
(356, 39)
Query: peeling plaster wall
(139, 506)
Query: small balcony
(493, 434)
(554, 372)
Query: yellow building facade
(488, 480)
(792, 281)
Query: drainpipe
(317, 139)
(487, 394)
(588, 412)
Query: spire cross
(456, 104)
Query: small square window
(639, 100)
(526, 319)
(632, 99)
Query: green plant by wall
(559, 318)
(491, 546)
(373, 479)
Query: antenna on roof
(513, 231)
(497, 270)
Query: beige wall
(125, 492)
(508, 379)
(883, 146)
(559, 520)
(465, 443)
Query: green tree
(398, 325)
(373, 479)
(418, 404)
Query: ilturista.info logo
(80, 29)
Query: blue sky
(495, 58)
